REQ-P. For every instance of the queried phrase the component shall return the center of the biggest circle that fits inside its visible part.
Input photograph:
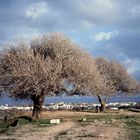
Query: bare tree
(122, 79)
(77, 65)
(117, 80)
(43, 69)
(26, 76)
(49, 64)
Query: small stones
(95, 121)
(113, 120)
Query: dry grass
(107, 126)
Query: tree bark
(103, 103)
(37, 104)
(103, 107)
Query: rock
(84, 119)
(101, 135)
(95, 121)
(9, 113)
(54, 121)
(12, 122)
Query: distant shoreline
(73, 99)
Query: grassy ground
(133, 127)
(4, 129)
(131, 123)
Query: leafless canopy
(47, 65)
(54, 60)
(117, 77)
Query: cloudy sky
(108, 28)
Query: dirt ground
(69, 129)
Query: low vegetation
(8, 130)
(129, 123)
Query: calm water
(74, 99)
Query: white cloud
(98, 10)
(135, 10)
(105, 35)
(37, 10)
(131, 70)
(132, 66)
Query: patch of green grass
(7, 131)
(94, 118)
(109, 117)
(41, 122)
(132, 123)
(23, 122)
(133, 127)
(10, 130)
(3, 127)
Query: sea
(5, 99)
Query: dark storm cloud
(120, 13)
(69, 14)
(78, 18)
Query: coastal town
(72, 106)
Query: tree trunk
(103, 103)
(103, 107)
(37, 104)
